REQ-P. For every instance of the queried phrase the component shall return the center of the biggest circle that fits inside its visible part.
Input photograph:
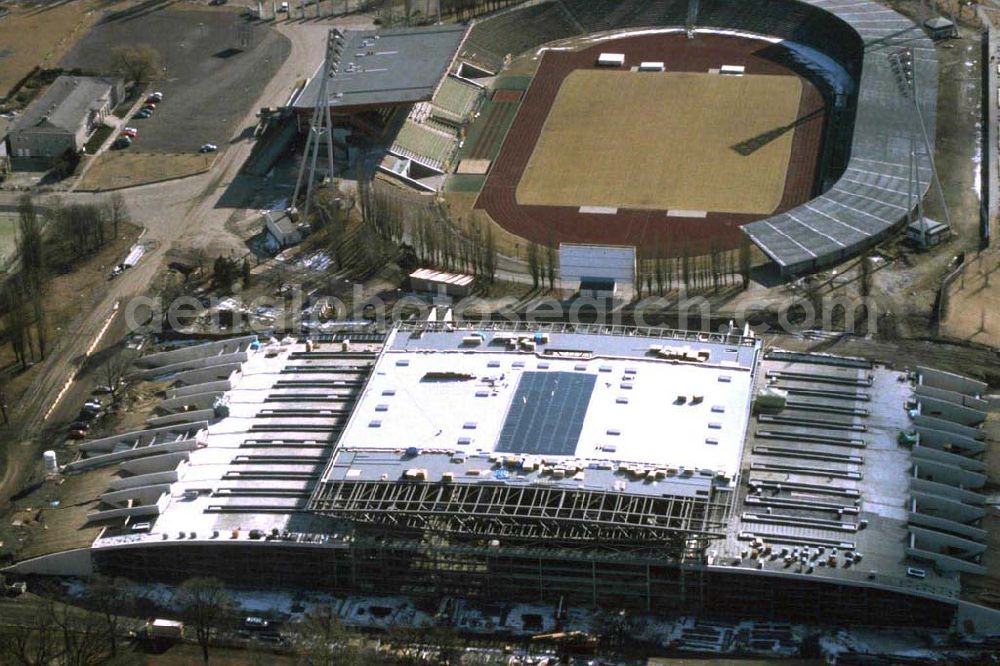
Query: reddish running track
(651, 231)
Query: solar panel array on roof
(546, 414)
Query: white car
(208, 148)
(283, 8)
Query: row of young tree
(48, 242)
(405, 11)
(542, 264)
(441, 245)
(717, 270)
(466, 9)
(396, 223)
(392, 218)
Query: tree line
(92, 633)
(399, 226)
(49, 242)
(715, 271)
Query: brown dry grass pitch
(116, 169)
(39, 34)
(656, 141)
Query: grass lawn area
(40, 35)
(99, 136)
(121, 168)
(8, 231)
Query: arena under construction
(655, 470)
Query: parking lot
(214, 65)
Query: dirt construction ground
(973, 302)
(215, 65)
(623, 139)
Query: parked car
(142, 114)
(254, 622)
(79, 425)
(208, 148)
(154, 98)
(130, 132)
(77, 434)
(150, 106)
(122, 142)
(102, 389)
(283, 8)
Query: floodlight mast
(902, 62)
(321, 124)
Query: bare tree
(117, 212)
(3, 400)
(533, 263)
(111, 598)
(866, 275)
(35, 641)
(30, 247)
(745, 260)
(17, 320)
(168, 290)
(136, 64)
(83, 639)
(550, 264)
(113, 373)
(321, 638)
(205, 606)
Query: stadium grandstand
(851, 174)
(401, 90)
(656, 470)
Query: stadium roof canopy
(384, 68)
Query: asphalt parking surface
(215, 64)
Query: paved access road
(186, 213)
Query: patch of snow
(977, 164)
(318, 261)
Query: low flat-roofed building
(457, 285)
(927, 233)
(281, 229)
(940, 27)
(62, 118)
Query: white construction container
(733, 70)
(651, 66)
(611, 60)
(51, 464)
